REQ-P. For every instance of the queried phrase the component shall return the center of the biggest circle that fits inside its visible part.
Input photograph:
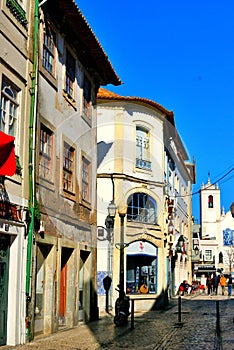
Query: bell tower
(209, 210)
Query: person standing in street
(215, 284)
(223, 282)
(209, 285)
(229, 285)
(203, 284)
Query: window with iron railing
(142, 149)
(17, 11)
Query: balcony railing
(143, 164)
(143, 215)
(17, 11)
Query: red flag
(7, 155)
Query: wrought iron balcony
(17, 11)
(143, 164)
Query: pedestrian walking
(223, 282)
(229, 282)
(215, 284)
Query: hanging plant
(18, 166)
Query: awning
(7, 155)
(205, 268)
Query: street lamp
(196, 250)
(110, 219)
(111, 209)
(232, 209)
(122, 213)
(180, 244)
(109, 223)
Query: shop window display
(141, 268)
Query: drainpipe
(32, 136)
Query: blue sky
(181, 55)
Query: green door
(4, 266)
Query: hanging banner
(7, 155)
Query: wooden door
(63, 293)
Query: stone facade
(15, 83)
(52, 65)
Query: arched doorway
(141, 267)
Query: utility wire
(220, 174)
(199, 191)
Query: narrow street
(196, 328)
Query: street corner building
(52, 66)
(143, 169)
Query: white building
(179, 178)
(133, 172)
(227, 243)
(216, 236)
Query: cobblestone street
(155, 330)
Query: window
(141, 268)
(210, 202)
(142, 208)
(68, 167)
(208, 255)
(46, 147)
(87, 98)
(17, 10)
(85, 179)
(177, 184)
(9, 107)
(142, 149)
(48, 50)
(70, 74)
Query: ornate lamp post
(109, 222)
(180, 244)
(122, 213)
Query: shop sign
(205, 267)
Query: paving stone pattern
(196, 328)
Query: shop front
(141, 268)
(203, 271)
